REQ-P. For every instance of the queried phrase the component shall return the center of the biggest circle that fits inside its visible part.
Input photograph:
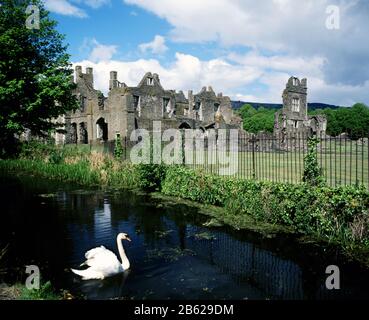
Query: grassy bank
(20, 292)
(335, 214)
(72, 164)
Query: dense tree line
(352, 120)
(255, 120)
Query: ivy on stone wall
(312, 171)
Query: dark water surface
(172, 254)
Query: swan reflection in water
(103, 289)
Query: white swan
(104, 263)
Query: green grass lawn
(342, 164)
(339, 168)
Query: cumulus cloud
(65, 8)
(98, 52)
(236, 79)
(187, 72)
(156, 46)
(297, 28)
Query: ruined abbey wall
(101, 118)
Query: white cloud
(298, 66)
(65, 8)
(156, 46)
(98, 52)
(186, 73)
(297, 28)
(96, 3)
(253, 78)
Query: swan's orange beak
(128, 238)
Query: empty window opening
(82, 106)
(83, 134)
(296, 104)
(101, 129)
(166, 105)
(137, 104)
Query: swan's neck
(123, 257)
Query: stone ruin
(124, 109)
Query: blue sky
(245, 49)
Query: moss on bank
(218, 217)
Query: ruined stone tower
(295, 101)
(293, 118)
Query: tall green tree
(35, 73)
(255, 120)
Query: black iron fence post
(125, 147)
(253, 140)
(183, 147)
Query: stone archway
(83, 134)
(184, 125)
(101, 129)
(73, 133)
(314, 125)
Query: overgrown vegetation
(150, 176)
(312, 171)
(71, 164)
(45, 292)
(338, 214)
(118, 149)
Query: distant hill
(311, 106)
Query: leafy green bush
(123, 176)
(312, 171)
(56, 156)
(46, 292)
(150, 176)
(333, 213)
(34, 150)
(118, 149)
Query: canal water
(173, 254)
